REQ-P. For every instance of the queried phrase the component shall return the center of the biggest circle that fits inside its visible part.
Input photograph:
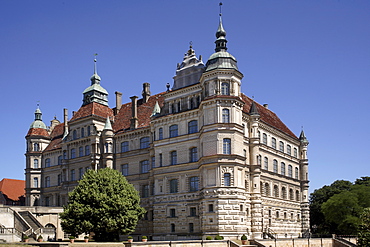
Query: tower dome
(38, 123)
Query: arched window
(80, 151)
(144, 166)
(82, 132)
(160, 133)
(291, 194)
(173, 186)
(264, 138)
(73, 153)
(275, 166)
(88, 130)
(193, 154)
(47, 181)
(174, 130)
(87, 150)
(290, 171)
(267, 189)
(36, 163)
(173, 228)
(297, 197)
(282, 168)
(273, 142)
(289, 149)
(225, 88)
(193, 126)
(266, 163)
(73, 175)
(47, 162)
(124, 147)
(259, 160)
(226, 149)
(295, 152)
(283, 192)
(173, 157)
(36, 147)
(296, 173)
(276, 191)
(60, 158)
(193, 184)
(225, 115)
(227, 179)
(281, 146)
(35, 182)
(74, 135)
(144, 142)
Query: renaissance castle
(206, 158)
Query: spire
(302, 138)
(253, 111)
(95, 78)
(107, 125)
(220, 35)
(156, 109)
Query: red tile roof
(144, 111)
(92, 109)
(56, 137)
(12, 188)
(37, 132)
(267, 116)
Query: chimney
(134, 119)
(146, 92)
(266, 106)
(118, 101)
(65, 110)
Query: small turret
(38, 123)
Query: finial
(95, 70)
(220, 8)
(220, 35)
(168, 87)
(191, 44)
(38, 104)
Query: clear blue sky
(309, 60)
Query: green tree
(104, 203)
(364, 232)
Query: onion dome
(38, 123)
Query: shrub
(39, 237)
(244, 237)
(129, 237)
(218, 237)
(72, 237)
(144, 237)
(208, 238)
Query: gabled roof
(144, 111)
(92, 109)
(267, 116)
(12, 188)
(56, 137)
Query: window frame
(174, 130)
(226, 146)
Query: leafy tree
(364, 232)
(363, 181)
(104, 203)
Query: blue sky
(309, 60)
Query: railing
(270, 233)
(346, 239)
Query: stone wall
(300, 242)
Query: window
(226, 149)
(225, 89)
(73, 153)
(227, 179)
(82, 132)
(174, 130)
(297, 195)
(160, 133)
(194, 184)
(73, 175)
(80, 173)
(65, 155)
(173, 186)
(225, 116)
(124, 169)
(210, 208)
(160, 160)
(80, 151)
(153, 161)
(124, 147)
(173, 158)
(60, 158)
(264, 138)
(74, 134)
(193, 211)
(295, 152)
(273, 142)
(145, 191)
(191, 227)
(47, 181)
(193, 127)
(47, 201)
(47, 162)
(59, 179)
(291, 194)
(144, 166)
(36, 147)
(35, 182)
(193, 155)
(283, 192)
(281, 146)
(36, 163)
(267, 189)
(275, 166)
(296, 173)
(172, 213)
(173, 228)
(266, 163)
(259, 160)
(289, 149)
(144, 142)
(87, 150)
(282, 168)
(290, 171)
(88, 130)
(276, 191)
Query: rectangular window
(47, 181)
(227, 179)
(193, 127)
(160, 160)
(80, 151)
(153, 161)
(47, 162)
(87, 150)
(145, 191)
(73, 153)
(59, 179)
(225, 116)
(173, 157)
(193, 154)
(160, 133)
(124, 169)
(144, 142)
(296, 173)
(193, 211)
(60, 158)
(191, 227)
(226, 146)
(144, 166)
(266, 163)
(173, 186)
(124, 147)
(174, 130)
(264, 138)
(194, 184)
(172, 212)
(210, 208)
(73, 175)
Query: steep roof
(37, 132)
(144, 111)
(56, 138)
(12, 188)
(92, 109)
(267, 116)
